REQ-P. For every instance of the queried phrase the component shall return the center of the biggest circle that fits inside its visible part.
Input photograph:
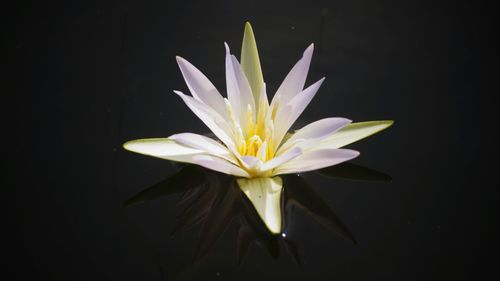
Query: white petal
(205, 144)
(287, 115)
(279, 160)
(313, 133)
(239, 92)
(211, 118)
(163, 148)
(219, 165)
(352, 133)
(316, 159)
(296, 78)
(265, 196)
(200, 87)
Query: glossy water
(91, 75)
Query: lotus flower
(253, 140)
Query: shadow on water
(203, 203)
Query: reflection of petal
(354, 172)
(187, 178)
(298, 193)
(197, 209)
(222, 212)
(291, 248)
(273, 248)
(245, 238)
(214, 200)
(265, 195)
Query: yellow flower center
(256, 137)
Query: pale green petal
(265, 195)
(163, 148)
(352, 133)
(250, 62)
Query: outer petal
(316, 159)
(211, 118)
(352, 133)
(287, 115)
(203, 143)
(295, 80)
(200, 87)
(163, 148)
(219, 165)
(265, 195)
(250, 62)
(239, 92)
(313, 133)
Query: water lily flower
(253, 140)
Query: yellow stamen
(253, 145)
(251, 126)
(242, 145)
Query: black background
(90, 75)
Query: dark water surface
(90, 75)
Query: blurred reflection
(214, 201)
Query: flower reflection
(204, 204)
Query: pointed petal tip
(351, 152)
(227, 48)
(180, 60)
(319, 82)
(248, 25)
(126, 145)
(308, 51)
(135, 145)
(385, 123)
